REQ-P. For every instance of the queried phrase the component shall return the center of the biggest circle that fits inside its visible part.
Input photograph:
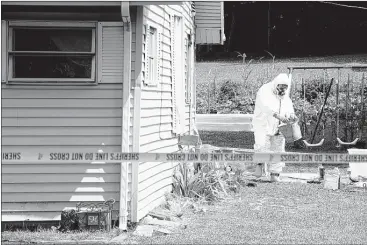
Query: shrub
(228, 91)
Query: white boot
(274, 177)
(259, 170)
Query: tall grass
(211, 183)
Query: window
(53, 52)
(152, 49)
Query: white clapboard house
(97, 75)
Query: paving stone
(118, 239)
(163, 231)
(165, 223)
(95, 242)
(302, 176)
(286, 179)
(176, 219)
(332, 182)
(144, 230)
(71, 242)
(163, 214)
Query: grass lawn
(50, 235)
(271, 213)
(281, 213)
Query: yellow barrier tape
(113, 157)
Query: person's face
(281, 88)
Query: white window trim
(158, 55)
(178, 76)
(188, 61)
(51, 81)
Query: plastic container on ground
(358, 168)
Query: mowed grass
(26, 236)
(276, 213)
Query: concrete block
(332, 182)
(144, 230)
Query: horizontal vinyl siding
(37, 192)
(156, 121)
(208, 14)
(69, 121)
(156, 102)
(208, 21)
(72, 119)
(156, 135)
(67, 118)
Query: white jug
(296, 131)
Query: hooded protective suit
(265, 125)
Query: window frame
(178, 73)
(152, 78)
(51, 25)
(188, 65)
(154, 83)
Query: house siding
(65, 118)
(35, 121)
(156, 114)
(209, 22)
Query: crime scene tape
(115, 157)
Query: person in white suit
(273, 106)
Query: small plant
(210, 184)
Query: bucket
(296, 131)
(287, 131)
(358, 169)
(291, 132)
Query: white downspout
(124, 182)
(137, 81)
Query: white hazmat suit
(269, 107)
